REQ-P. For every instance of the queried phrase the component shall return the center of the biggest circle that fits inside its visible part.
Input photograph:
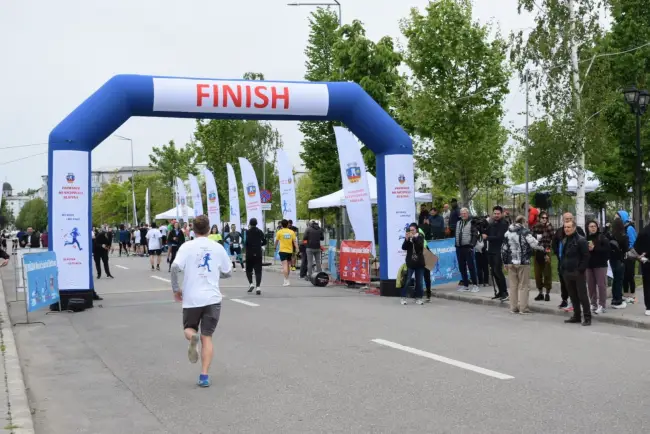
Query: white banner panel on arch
(233, 197)
(182, 199)
(355, 186)
(243, 97)
(287, 186)
(70, 213)
(400, 207)
(213, 198)
(197, 200)
(251, 192)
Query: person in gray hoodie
(313, 235)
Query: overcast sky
(56, 53)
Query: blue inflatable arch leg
(124, 96)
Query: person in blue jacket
(629, 286)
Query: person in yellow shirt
(215, 235)
(286, 240)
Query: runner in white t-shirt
(203, 262)
(163, 231)
(136, 242)
(154, 237)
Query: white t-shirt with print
(163, 230)
(202, 261)
(137, 236)
(155, 237)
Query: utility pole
(526, 77)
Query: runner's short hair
(253, 222)
(284, 223)
(201, 225)
(497, 208)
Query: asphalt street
(302, 359)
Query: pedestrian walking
(234, 239)
(101, 248)
(255, 240)
(574, 258)
(543, 231)
(203, 262)
(414, 246)
(516, 253)
(629, 284)
(154, 245)
(176, 240)
(496, 232)
(619, 246)
(597, 267)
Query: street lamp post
(638, 101)
(135, 215)
(333, 3)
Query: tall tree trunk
(580, 169)
(464, 193)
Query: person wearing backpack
(619, 245)
(629, 285)
(597, 267)
(516, 253)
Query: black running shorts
(205, 316)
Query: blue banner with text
(42, 280)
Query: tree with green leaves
(113, 204)
(172, 162)
(554, 59)
(304, 193)
(453, 103)
(33, 214)
(344, 54)
(6, 215)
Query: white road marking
(161, 278)
(247, 303)
(122, 267)
(136, 291)
(443, 359)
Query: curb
(626, 322)
(19, 411)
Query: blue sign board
(331, 260)
(446, 269)
(42, 280)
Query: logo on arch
(401, 178)
(212, 197)
(251, 190)
(353, 172)
(182, 201)
(70, 178)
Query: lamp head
(644, 100)
(631, 95)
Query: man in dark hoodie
(574, 258)
(437, 224)
(494, 236)
(555, 246)
(454, 216)
(424, 214)
(313, 235)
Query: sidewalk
(13, 397)
(632, 316)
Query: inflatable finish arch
(124, 96)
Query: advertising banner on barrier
(251, 192)
(197, 200)
(331, 260)
(354, 261)
(287, 186)
(446, 269)
(70, 215)
(213, 199)
(230, 96)
(400, 207)
(233, 197)
(355, 186)
(41, 271)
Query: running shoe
(259, 291)
(568, 309)
(474, 289)
(599, 310)
(623, 305)
(419, 301)
(251, 287)
(192, 350)
(204, 381)
(286, 282)
(403, 302)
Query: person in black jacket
(555, 246)
(619, 245)
(255, 239)
(4, 258)
(175, 238)
(414, 246)
(574, 259)
(494, 237)
(454, 216)
(101, 247)
(597, 267)
(313, 235)
(437, 224)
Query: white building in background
(422, 182)
(14, 203)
